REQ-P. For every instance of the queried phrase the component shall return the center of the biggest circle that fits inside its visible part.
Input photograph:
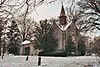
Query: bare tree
(91, 14)
(26, 29)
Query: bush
(55, 53)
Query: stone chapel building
(63, 28)
(60, 29)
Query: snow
(25, 42)
(20, 61)
(63, 28)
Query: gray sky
(47, 11)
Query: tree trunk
(3, 48)
(0, 43)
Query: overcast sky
(47, 11)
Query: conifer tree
(13, 36)
(70, 46)
(81, 47)
(44, 39)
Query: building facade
(61, 29)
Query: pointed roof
(62, 13)
(62, 16)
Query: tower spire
(62, 16)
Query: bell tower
(62, 16)
(63, 23)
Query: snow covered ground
(20, 61)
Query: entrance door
(27, 51)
